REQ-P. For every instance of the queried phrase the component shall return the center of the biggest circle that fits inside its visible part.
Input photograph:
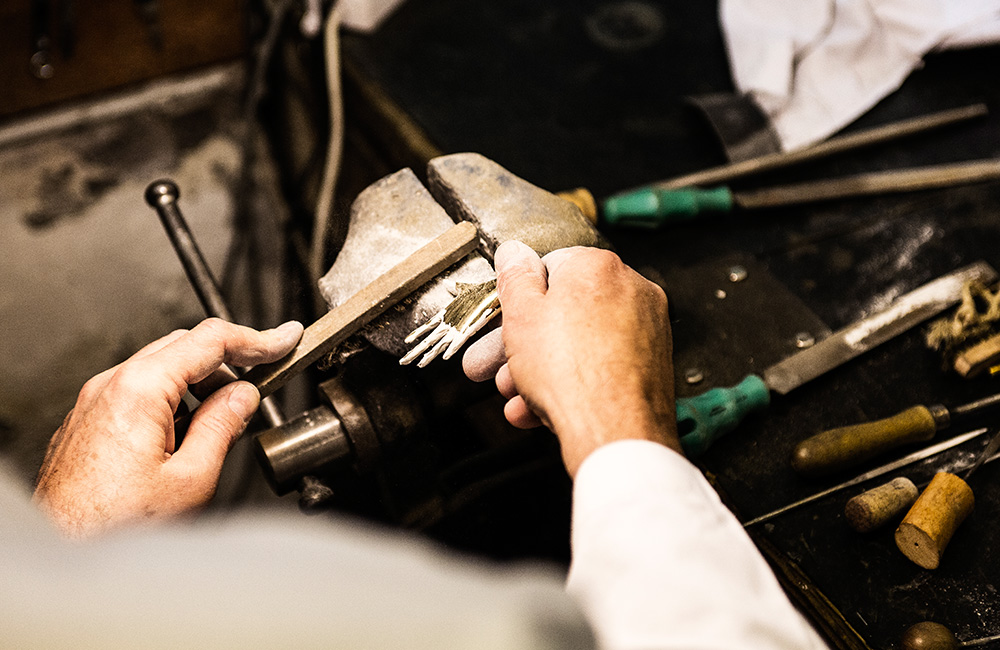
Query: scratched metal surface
(554, 93)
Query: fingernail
(508, 252)
(290, 332)
(244, 400)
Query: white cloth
(271, 582)
(816, 65)
(658, 563)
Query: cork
(929, 525)
(878, 506)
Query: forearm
(659, 562)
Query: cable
(335, 145)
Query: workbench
(539, 88)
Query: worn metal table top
(561, 99)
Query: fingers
(517, 411)
(553, 261)
(215, 426)
(520, 273)
(98, 382)
(505, 382)
(224, 375)
(159, 344)
(519, 414)
(197, 354)
(484, 358)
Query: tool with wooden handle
(878, 471)
(934, 636)
(939, 511)
(844, 447)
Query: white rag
(814, 66)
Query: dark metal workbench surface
(564, 100)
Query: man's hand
(113, 460)
(587, 347)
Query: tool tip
(162, 192)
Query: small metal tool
(839, 144)
(448, 330)
(984, 455)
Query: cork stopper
(929, 525)
(878, 506)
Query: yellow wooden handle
(838, 449)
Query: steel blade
(867, 333)
(875, 183)
(985, 455)
(878, 471)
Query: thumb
(520, 274)
(216, 425)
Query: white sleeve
(659, 562)
(265, 581)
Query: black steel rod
(162, 196)
(974, 408)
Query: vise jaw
(397, 215)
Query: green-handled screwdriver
(705, 418)
(653, 206)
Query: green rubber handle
(652, 208)
(845, 447)
(703, 419)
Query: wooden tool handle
(385, 291)
(928, 526)
(929, 636)
(837, 449)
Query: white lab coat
(658, 563)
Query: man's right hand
(588, 353)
